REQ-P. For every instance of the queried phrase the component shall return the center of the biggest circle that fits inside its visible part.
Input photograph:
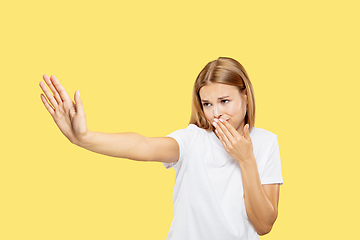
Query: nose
(217, 112)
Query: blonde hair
(226, 71)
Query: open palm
(68, 116)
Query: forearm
(122, 145)
(260, 210)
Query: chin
(237, 127)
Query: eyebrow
(220, 98)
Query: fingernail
(214, 123)
(221, 120)
(216, 131)
(216, 120)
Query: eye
(206, 104)
(224, 101)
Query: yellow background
(134, 64)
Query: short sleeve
(184, 138)
(272, 172)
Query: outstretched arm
(70, 118)
(132, 146)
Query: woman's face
(225, 102)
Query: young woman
(228, 172)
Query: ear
(245, 95)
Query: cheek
(238, 111)
(242, 111)
(208, 115)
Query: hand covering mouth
(224, 119)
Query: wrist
(84, 139)
(248, 162)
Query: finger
(47, 105)
(60, 89)
(227, 133)
(79, 105)
(222, 136)
(52, 88)
(246, 132)
(48, 95)
(230, 128)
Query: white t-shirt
(208, 196)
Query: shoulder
(191, 131)
(262, 136)
(262, 133)
(194, 128)
(189, 135)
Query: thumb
(246, 132)
(78, 103)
